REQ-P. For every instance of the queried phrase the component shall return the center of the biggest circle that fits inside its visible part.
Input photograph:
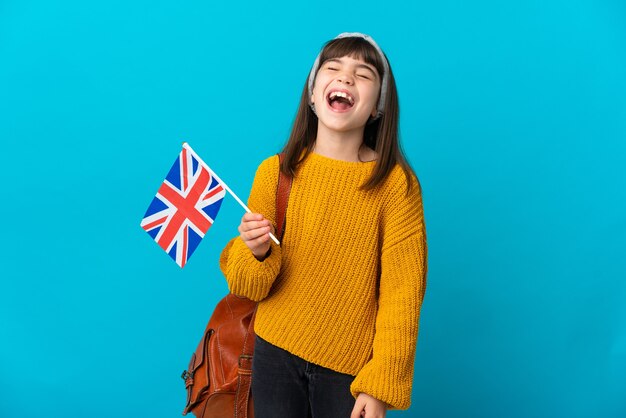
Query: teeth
(341, 94)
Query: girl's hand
(368, 407)
(254, 231)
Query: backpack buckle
(244, 357)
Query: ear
(313, 97)
(375, 111)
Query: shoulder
(264, 186)
(401, 183)
(266, 176)
(403, 211)
(268, 168)
(269, 163)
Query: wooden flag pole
(205, 165)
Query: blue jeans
(286, 386)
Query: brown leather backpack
(220, 371)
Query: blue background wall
(513, 116)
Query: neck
(339, 145)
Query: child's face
(345, 93)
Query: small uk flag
(184, 207)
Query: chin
(341, 125)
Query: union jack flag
(184, 208)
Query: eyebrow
(366, 66)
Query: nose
(346, 79)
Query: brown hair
(381, 134)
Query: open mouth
(340, 100)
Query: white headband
(383, 84)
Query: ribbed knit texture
(345, 287)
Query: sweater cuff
(247, 276)
(376, 381)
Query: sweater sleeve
(388, 376)
(247, 276)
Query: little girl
(340, 298)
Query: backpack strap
(282, 198)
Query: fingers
(253, 220)
(359, 408)
(254, 231)
(256, 243)
(253, 226)
(368, 407)
(252, 217)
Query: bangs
(354, 47)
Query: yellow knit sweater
(345, 288)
